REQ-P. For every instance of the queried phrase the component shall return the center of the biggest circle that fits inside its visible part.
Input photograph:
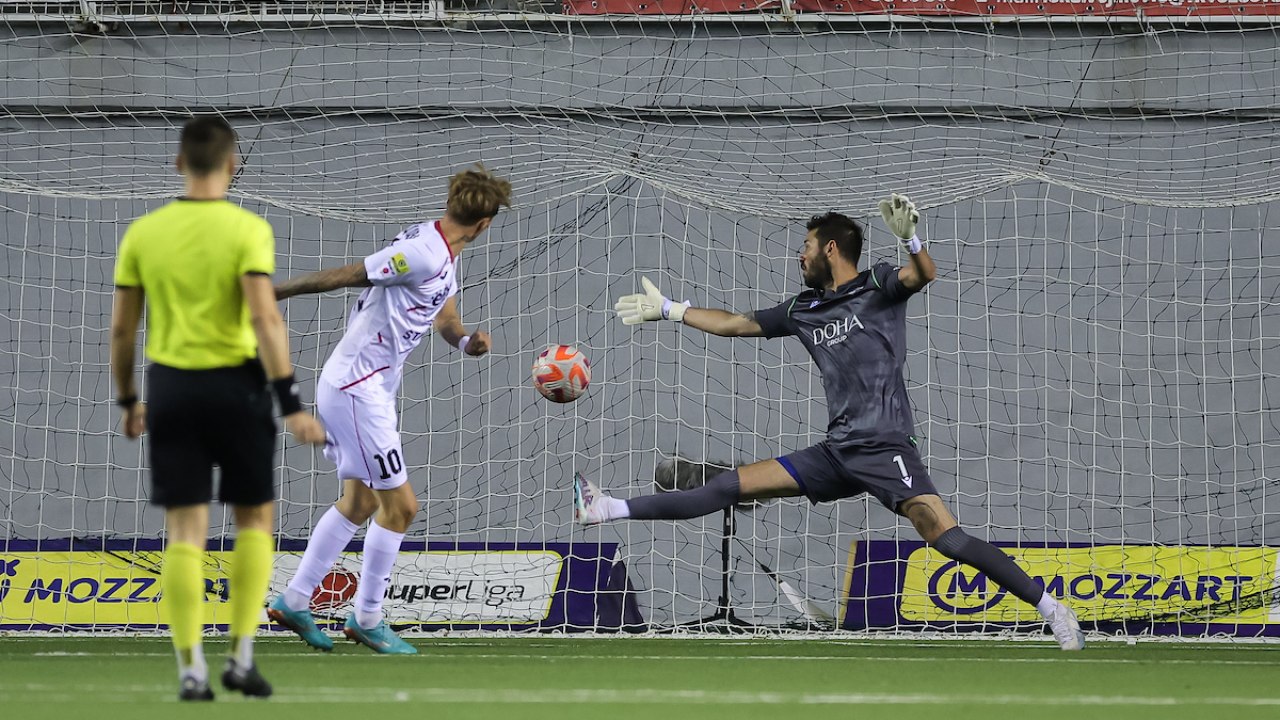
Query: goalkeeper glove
(649, 305)
(900, 215)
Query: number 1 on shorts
(906, 477)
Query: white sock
(328, 540)
(615, 509)
(242, 653)
(1047, 605)
(195, 667)
(380, 549)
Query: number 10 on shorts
(389, 464)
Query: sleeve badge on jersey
(398, 264)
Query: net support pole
(724, 619)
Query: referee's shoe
(194, 689)
(246, 680)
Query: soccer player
(410, 287)
(853, 323)
(203, 266)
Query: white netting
(1088, 368)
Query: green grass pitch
(657, 679)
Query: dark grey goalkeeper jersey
(857, 335)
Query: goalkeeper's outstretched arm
(723, 322)
(653, 305)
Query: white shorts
(363, 438)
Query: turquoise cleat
(380, 639)
(299, 621)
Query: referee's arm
(273, 349)
(126, 312)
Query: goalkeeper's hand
(900, 215)
(649, 305)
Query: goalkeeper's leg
(938, 527)
(757, 481)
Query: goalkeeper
(853, 323)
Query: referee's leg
(182, 593)
(249, 576)
(246, 444)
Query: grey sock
(679, 474)
(980, 554)
(719, 493)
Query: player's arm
(126, 313)
(449, 324)
(353, 275)
(919, 272)
(900, 215)
(723, 322)
(652, 305)
(273, 351)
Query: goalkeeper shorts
(891, 472)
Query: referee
(203, 268)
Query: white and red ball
(561, 373)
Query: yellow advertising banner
(103, 588)
(1103, 583)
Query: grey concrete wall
(1091, 364)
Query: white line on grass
(451, 654)
(47, 693)
(461, 639)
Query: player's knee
(928, 516)
(357, 509)
(354, 512)
(398, 515)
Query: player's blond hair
(476, 194)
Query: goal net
(1088, 371)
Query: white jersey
(412, 279)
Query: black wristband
(287, 395)
(127, 401)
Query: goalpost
(1092, 372)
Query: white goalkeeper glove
(900, 215)
(649, 305)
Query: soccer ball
(561, 373)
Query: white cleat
(1066, 629)
(587, 508)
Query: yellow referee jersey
(188, 257)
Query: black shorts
(200, 418)
(892, 472)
